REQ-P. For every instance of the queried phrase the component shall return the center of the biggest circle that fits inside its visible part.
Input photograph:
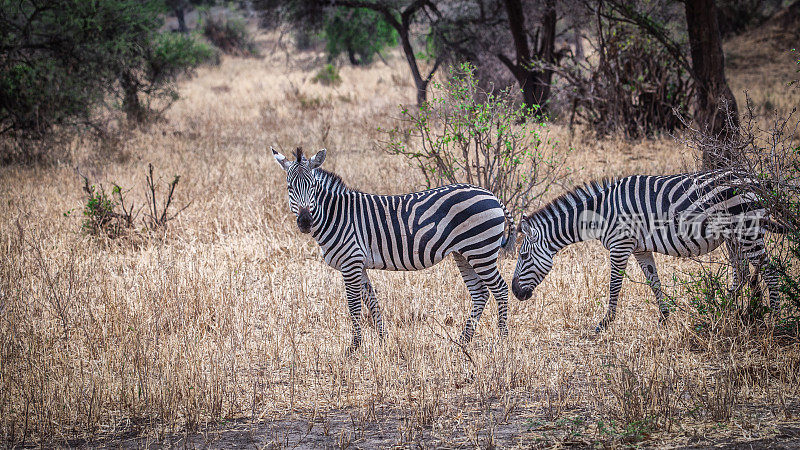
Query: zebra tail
(508, 244)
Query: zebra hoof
(351, 350)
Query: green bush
(359, 33)
(99, 215)
(328, 75)
(63, 59)
(230, 35)
(464, 134)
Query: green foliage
(230, 34)
(173, 53)
(63, 60)
(60, 57)
(99, 212)
(169, 56)
(113, 216)
(328, 75)
(467, 135)
(630, 432)
(359, 33)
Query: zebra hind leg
(372, 305)
(648, 265)
(479, 293)
(497, 285)
(755, 252)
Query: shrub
(98, 212)
(109, 216)
(766, 165)
(328, 75)
(230, 35)
(633, 87)
(168, 56)
(360, 33)
(467, 135)
(63, 59)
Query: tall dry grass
(232, 313)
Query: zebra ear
(317, 159)
(282, 161)
(524, 226)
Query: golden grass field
(230, 322)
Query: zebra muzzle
(304, 221)
(520, 292)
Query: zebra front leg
(372, 304)
(352, 287)
(648, 265)
(619, 261)
(477, 291)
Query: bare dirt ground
(386, 427)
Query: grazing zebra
(679, 215)
(359, 231)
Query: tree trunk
(535, 83)
(419, 82)
(546, 53)
(351, 55)
(402, 25)
(133, 108)
(179, 14)
(716, 111)
(577, 38)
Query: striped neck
(563, 221)
(330, 194)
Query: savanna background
(141, 308)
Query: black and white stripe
(679, 215)
(359, 231)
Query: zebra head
(535, 259)
(302, 185)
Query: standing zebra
(359, 231)
(679, 215)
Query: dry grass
(233, 314)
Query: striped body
(406, 232)
(358, 231)
(680, 215)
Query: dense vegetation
(65, 61)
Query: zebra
(358, 231)
(683, 215)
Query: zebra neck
(574, 223)
(331, 198)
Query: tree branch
(645, 23)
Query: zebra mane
(575, 196)
(331, 180)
